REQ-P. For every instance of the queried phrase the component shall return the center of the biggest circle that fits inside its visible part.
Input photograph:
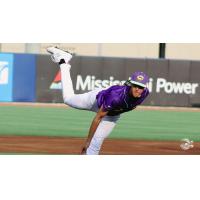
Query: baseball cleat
(58, 54)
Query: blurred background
(27, 73)
(139, 50)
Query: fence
(172, 82)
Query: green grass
(147, 125)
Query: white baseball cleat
(58, 54)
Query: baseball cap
(139, 78)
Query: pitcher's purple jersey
(117, 99)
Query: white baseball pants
(86, 101)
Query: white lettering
(122, 82)
(194, 86)
(160, 84)
(83, 85)
(187, 88)
(98, 84)
(168, 87)
(105, 83)
(116, 82)
(111, 80)
(150, 85)
(91, 83)
(177, 88)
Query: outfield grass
(55, 121)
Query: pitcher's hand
(84, 149)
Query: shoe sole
(73, 54)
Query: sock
(62, 61)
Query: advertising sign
(172, 82)
(6, 77)
(17, 77)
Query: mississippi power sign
(172, 82)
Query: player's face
(136, 91)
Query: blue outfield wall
(24, 77)
(17, 77)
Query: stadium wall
(36, 78)
(17, 77)
(172, 82)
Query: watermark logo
(186, 144)
(3, 72)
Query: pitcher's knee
(68, 100)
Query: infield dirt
(72, 146)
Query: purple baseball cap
(139, 78)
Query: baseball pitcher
(108, 103)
